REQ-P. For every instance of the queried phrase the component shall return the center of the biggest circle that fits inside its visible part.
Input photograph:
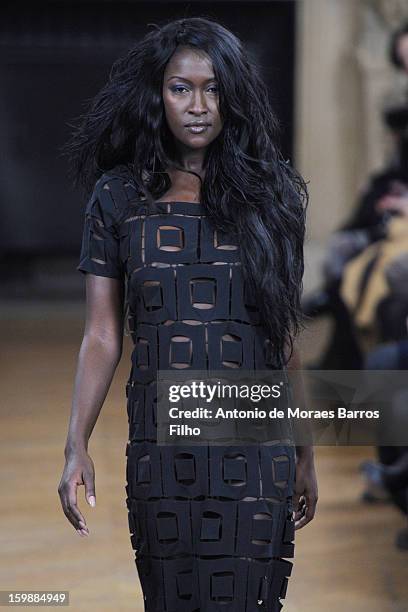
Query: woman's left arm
(306, 494)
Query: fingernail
(92, 501)
(85, 533)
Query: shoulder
(113, 194)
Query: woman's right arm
(99, 355)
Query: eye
(213, 89)
(179, 88)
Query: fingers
(68, 496)
(79, 518)
(299, 510)
(307, 512)
(89, 481)
(298, 497)
(296, 501)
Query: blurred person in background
(368, 224)
(374, 283)
(366, 288)
(366, 230)
(388, 476)
(386, 479)
(398, 51)
(367, 273)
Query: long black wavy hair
(248, 189)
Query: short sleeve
(100, 251)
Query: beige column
(329, 132)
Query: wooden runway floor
(345, 559)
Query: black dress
(209, 525)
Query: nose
(198, 103)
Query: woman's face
(402, 51)
(190, 96)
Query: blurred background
(337, 72)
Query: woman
(196, 210)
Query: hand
(306, 495)
(78, 470)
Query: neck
(192, 160)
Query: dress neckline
(177, 202)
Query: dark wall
(54, 56)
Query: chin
(198, 140)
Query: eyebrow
(188, 80)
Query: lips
(197, 127)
